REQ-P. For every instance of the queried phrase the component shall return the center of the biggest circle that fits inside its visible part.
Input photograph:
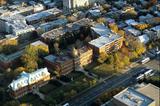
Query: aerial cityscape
(79, 53)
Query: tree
(121, 32)
(126, 60)
(30, 58)
(113, 27)
(56, 48)
(18, 70)
(74, 52)
(71, 18)
(102, 57)
(101, 20)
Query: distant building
(27, 82)
(107, 42)
(151, 91)
(46, 15)
(15, 25)
(45, 27)
(7, 61)
(143, 95)
(71, 27)
(72, 4)
(131, 97)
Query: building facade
(27, 82)
(72, 4)
(61, 64)
(106, 42)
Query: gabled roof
(26, 79)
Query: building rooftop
(50, 25)
(43, 14)
(18, 23)
(37, 43)
(28, 78)
(144, 38)
(102, 41)
(58, 59)
(8, 58)
(106, 36)
(101, 30)
(131, 97)
(67, 28)
(132, 30)
(151, 91)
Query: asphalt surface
(86, 97)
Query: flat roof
(151, 91)
(102, 41)
(43, 14)
(67, 28)
(131, 97)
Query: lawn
(80, 83)
(102, 70)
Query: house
(27, 82)
(132, 31)
(156, 29)
(62, 65)
(131, 22)
(144, 38)
(107, 42)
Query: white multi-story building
(71, 4)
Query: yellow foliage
(101, 20)
(142, 26)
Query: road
(116, 81)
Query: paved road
(116, 81)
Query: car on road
(145, 60)
(66, 104)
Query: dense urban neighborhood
(79, 52)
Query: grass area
(47, 88)
(30, 98)
(80, 83)
(102, 70)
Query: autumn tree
(56, 48)
(113, 27)
(30, 58)
(102, 57)
(101, 20)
